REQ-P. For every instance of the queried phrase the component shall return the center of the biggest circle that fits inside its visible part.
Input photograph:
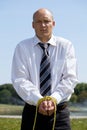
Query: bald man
(62, 76)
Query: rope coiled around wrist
(39, 102)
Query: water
(79, 113)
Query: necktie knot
(44, 47)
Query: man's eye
(41, 22)
(37, 21)
(46, 21)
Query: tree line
(80, 93)
(9, 96)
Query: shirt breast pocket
(58, 68)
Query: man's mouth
(44, 30)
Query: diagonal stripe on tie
(45, 72)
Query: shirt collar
(52, 41)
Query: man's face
(43, 24)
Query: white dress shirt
(26, 66)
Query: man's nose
(43, 24)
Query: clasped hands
(46, 107)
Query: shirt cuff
(57, 97)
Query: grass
(14, 124)
(6, 109)
(10, 109)
(9, 124)
(79, 124)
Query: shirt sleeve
(21, 78)
(68, 81)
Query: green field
(6, 109)
(9, 124)
(10, 109)
(14, 124)
(79, 124)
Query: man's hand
(43, 108)
(50, 107)
(46, 107)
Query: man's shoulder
(24, 44)
(62, 41)
(26, 41)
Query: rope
(39, 102)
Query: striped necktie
(45, 71)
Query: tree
(80, 93)
(73, 98)
(5, 96)
(82, 97)
(9, 95)
(80, 87)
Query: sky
(16, 25)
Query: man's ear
(53, 23)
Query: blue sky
(16, 25)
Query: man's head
(43, 24)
